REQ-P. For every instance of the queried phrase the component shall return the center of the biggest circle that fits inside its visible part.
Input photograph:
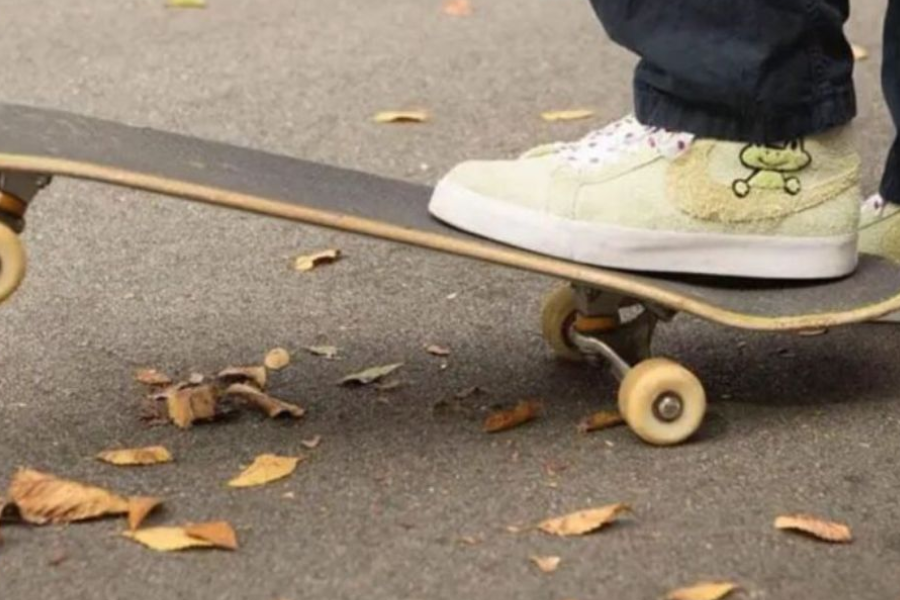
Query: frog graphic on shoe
(635, 197)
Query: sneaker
(640, 198)
(879, 234)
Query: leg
(748, 70)
(890, 185)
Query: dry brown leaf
(273, 407)
(437, 350)
(524, 411)
(150, 455)
(583, 521)
(458, 8)
(172, 539)
(138, 509)
(187, 405)
(706, 590)
(828, 531)
(43, 498)
(328, 352)
(218, 533)
(254, 375)
(859, 52)
(312, 443)
(370, 375)
(566, 115)
(546, 564)
(308, 262)
(152, 377)
(600, 420)
(401, 116)
(277, 358)
(266, 468)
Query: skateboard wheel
(557, 315)
(662, 402)
(12, 262)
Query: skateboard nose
(12, 262)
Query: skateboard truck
(16, 191)
(659, 399)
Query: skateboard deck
(44, 143)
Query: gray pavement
(121, 280)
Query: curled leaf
(437, 350)
(401, 116)
(600, 420)
(218, 533)
(44, 498)
(150, 455)
(703, 591)
(273, 407)
(277, 358)
(152, 377)
(255, 375)
(172, 539)
(309, 262)
(328, 352)
(828, 531)
(523, 412)
(190, 404)
(266, 468)
(583, 521)
(312, 443)
(370, 375)
(138, 509)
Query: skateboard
(597, 315)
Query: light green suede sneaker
(879, 234)
(640, 198)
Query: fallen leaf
(312, 442)
(524, 411)
(186, 3)
(44, 498)
(255, 375)
(583, 521)
(187, 405)
(401, 116)
(138, 509)
(703, 591)
(277, 358)
(309, 262)
(150, 455)
(859, 52)
(437, 350)
(600, 420)
(273, 407)
(458, 8)
(152, 377)
(828, 531)
(566, 115)
(218, 533)
(266, 468)
(370, 375)
(546, 564)
(329, 352)
(200, 535)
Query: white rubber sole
(644, 249)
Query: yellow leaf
(273, 407)
(566, 115)
(277, 358)
(401, 116)
(255, 375)
(546, 564)
(859, 52)
(44, 498)
(583, 521)
(828, 531)
(138, 509)
(152, 377)
(186, 3)
(266, 468)
(524, 411)
(458, 8)
(150, 455)
(309, 262)
(703, 591)
(600, 420)
(201, 535)
(218, 533)
(370, 375)
(187, 405)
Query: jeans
(749, 70)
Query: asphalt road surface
(385, 507)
